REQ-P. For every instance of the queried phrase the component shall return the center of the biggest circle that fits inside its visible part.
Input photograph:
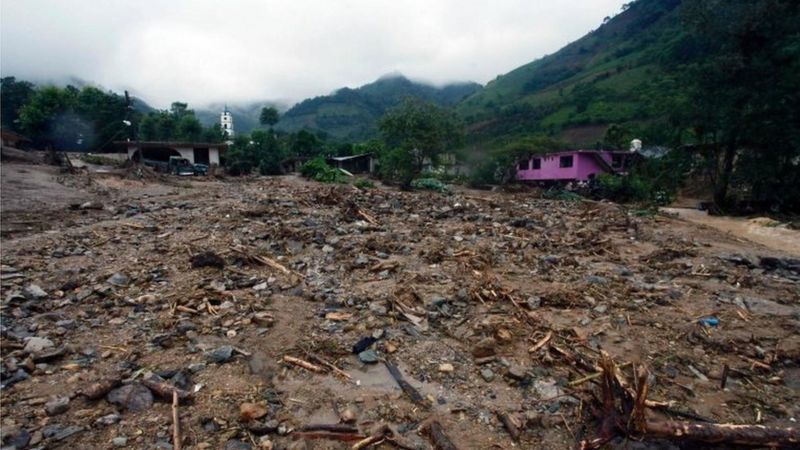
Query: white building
(226, 122)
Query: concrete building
(195, 152)
(573, 165)
(226, 122)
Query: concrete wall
(186, 152)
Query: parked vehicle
(175, 165)
(201, 169)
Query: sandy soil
(458, 289)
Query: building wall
(213, 156)
(550, 168)
(186, 152)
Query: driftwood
(378, 436)
(165, 389)
(511, 424)
(415, 396)
(99, 389)
(623, 412)
(304, 364)
(439, 440)
(333, 428)
(312, 435)
(176, 422)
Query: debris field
(276, 313)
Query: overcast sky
(245, 50)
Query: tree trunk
(724, 178)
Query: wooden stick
(759, 435)
(415, 396)
(511, 424)
(347, 437)
(304, 364)
(378, 436)
(332, 427)
(438, 438)
(176, 422)
(542, 342)
(165, 389)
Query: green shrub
(363, 183)
(558, 193)
(429, 184)
(317, 169)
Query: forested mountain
(352, 114)
(614, 74)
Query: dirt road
(775, 238)
(489, 305)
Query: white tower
(226, 122)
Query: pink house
(573, 165)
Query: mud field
(282, 313)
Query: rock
(265, 443)
(446, 368)
(57, 406)
(20, 439)
(517, 373)
(67, 432)
(379, 333)
(120, 441)
(348, 416)
(534, 302)
(237, 445)
(368, 356)
(601, 309)
(260, 286)
(37, 344)
(594, 279)
(487, 374)
(91, 205)
(363, 344)
(361, 261)
(207, 259)
(34, 292)
(107, 420)
(221, 355)
(251, 411)
(118, 280)
(547, 389)
(133, 397)
(484, 347)
(378, 308)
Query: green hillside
(611, 75)
(352, 114)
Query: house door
(201, 156)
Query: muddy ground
(487, 303)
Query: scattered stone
(485, 347)
(237, 445)
(487, 374)
(109, 419)
(261, 286)
(265, 443)
(118, 280)
(517, 373)
(36, 344)
(207, 259)
(363, 344)
(57, 406)
(368, 356)
(133, 397)
(120, 441)
(601, 309)
(348, 416)
(19, 440)
(67, 432)
(221, 355)
(251, 411)
(446, 368)
(34, 292)
(91, 205)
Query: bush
(363, 183)
(317, 169)
(630, 188)
(429, 184)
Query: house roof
(347, 158)
(151, 144)
(8, 134)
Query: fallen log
(99, 389)
(511, 425)
(165, 389)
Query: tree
(742, 95)
(305, 143)
(261, 150)
(269, 116)
(416, 132)
(13, 95)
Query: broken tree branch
(176, 422)
(304, 364)
(415, 396)
(439, 440)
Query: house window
(616, 161)
(565, 162)
(537, 163)
(525, 165)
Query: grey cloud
(210, 51)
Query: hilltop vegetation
(613, 75)
(352, 114)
